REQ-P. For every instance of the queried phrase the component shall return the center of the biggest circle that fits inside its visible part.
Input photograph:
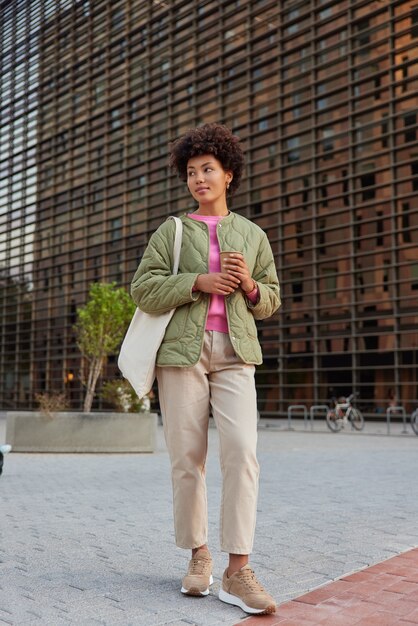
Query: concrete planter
(32, 431)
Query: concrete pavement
(88, 539)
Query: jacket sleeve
(265, 275)
(154, 288)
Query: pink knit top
(217, 319)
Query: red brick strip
(381, 595)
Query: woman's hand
(222, 284)
(236, 266)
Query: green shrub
(122, 397)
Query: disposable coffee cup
(226, 255)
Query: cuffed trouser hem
(242, 551)
(191, 547)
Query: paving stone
(366, 598)
(88, 539)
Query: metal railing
(314, 409)
(297, 408)
(302, 409)
(396, 410)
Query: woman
(208, 356)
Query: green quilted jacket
(155, 290)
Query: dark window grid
(374, 86)
(322, 190)
(404, 34)
(409, 180)
(363, 256)
(352, 179)
(407, 85)
(348, 75)
(342, 276)
(349, 41)
(321, 328)
(332, 110)
(370, 37)
(403, 48)
(332, 100)
(329, 144)
(344, 317)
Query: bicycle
(414, 421)
(342, 413)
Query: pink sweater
(217, 319)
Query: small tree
(100, 327)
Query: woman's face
(206, 179)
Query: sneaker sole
(230, 599)
(194, 591)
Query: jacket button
(233, 338)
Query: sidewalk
(382, 595)
(88, 539)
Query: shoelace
(247, 576)
(198, 566)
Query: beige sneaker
(243, 589)
(199, 575)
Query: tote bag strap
(177, 242)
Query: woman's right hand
(222, 284)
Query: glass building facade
(324, 97)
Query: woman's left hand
(235, 264)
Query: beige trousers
(222, 382)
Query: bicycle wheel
(414, 421)
(356, 419)
(333, 422)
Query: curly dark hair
(215, 139)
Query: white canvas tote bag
(144, 336)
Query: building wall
(323, 95)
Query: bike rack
(396, 409)
(296, 408)
(314, 409)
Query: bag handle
(177, 242)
